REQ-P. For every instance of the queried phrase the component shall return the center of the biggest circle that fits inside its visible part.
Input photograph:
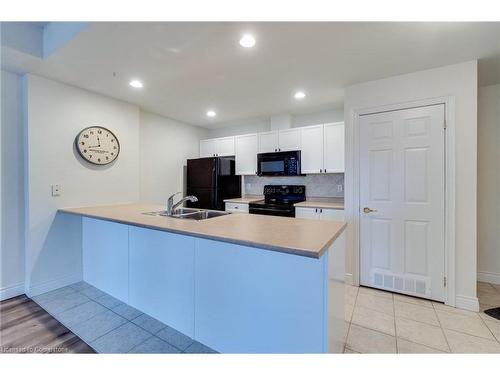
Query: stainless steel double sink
(189, 213)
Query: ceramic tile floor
(111, 326)
(377, 321)
(383, 322)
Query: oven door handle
(263, 209)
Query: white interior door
(402, 185)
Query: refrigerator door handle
(214, 182)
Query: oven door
(261, 210)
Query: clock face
(97, 145)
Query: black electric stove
(279, 200)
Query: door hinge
(444, 124)
(444, 281)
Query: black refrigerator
(212, 180)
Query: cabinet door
(246, 154)
(237, 207)
(289, 140)
(105, 256)
(268, 141)
(225, 146)
(312, 149)
(162, 276)
(334, 148)
(331, 214)
(306, 213)
(207, 148)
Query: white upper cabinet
(246, 154)
(208, 147)
(225, 146)
(312, 149)
(289, 140)
(322, 147)
(217, 147)
(268, 141)
(334, 148)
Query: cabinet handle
(316, 210)
(321, 210)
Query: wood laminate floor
(25, 327)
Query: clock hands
(98, 144)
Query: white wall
(246, 126)
(12, 196)
(321, 117)
(459, 81)
(488, 197)
(165, 146)
(153, 152)
(55, 114)
(263, 124)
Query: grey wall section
(165, 146)
(12, 244)
(488, 197)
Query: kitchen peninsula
(237, 283)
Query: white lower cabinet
(319, 213)
(237, 207)
(233, 298)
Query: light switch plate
(56, 190)
(340, 188)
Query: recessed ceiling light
(211, 114)
(299, 95)
(136, 84)
(247, 41)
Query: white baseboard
(488, 277)
(467, 303)
(15, 290)
(348, 279)
(49, 285)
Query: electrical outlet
(56, 190)
(340, 188)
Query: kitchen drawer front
(306, 213)
(237, 207)
(331, 214)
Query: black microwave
(285, 163)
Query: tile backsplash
(325, 186)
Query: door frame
(353, 204)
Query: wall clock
(97, 145)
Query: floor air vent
(402, 284)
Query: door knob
(367, 210)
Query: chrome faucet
(171, 207)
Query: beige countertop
(337, 204)
(289, 235)
(245, 199)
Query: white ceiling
(188, 68)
